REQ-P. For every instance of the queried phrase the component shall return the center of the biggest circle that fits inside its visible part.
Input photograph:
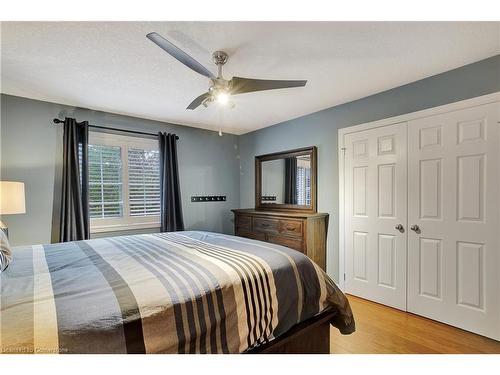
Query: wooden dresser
(305, 232)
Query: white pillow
(5, 252)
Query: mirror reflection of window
(303, 180)
(287, 181)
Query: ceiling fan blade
(179, 54)
(242, 85)
(198, 101)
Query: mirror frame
(282, 155)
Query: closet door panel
(375, 191)
(453, 204)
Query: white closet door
(375, 204)
(453, 196)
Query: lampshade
(12, 198)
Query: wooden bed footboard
(309, 337)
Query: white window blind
(124, 182)
(308, 185)
(301, 185)
(143, 182)
(303, 179)
(105, 181)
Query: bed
(182, 292)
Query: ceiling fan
(220, 89)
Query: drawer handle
(291, 229)
(264, 224)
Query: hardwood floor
(381, 329)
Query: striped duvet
(183, 292)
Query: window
(105, 181)
(124, 182)
(144, 182)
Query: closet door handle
(415, 228)
(400, 228)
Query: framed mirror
(286, 180)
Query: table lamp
(12, 200)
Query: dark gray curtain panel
(291, 180)
(170, 192)
(74, 221)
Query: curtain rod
(57, 121)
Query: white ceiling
(111, 66)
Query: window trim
(126, 222)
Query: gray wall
(320, 129)
(31, 149)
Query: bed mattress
(182, 292)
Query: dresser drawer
(252, 235)
(292, 243)
(304, 232)
(265, 225)
(291, 227)
(244, 223)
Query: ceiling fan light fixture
(222, 97)
(220, 89)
